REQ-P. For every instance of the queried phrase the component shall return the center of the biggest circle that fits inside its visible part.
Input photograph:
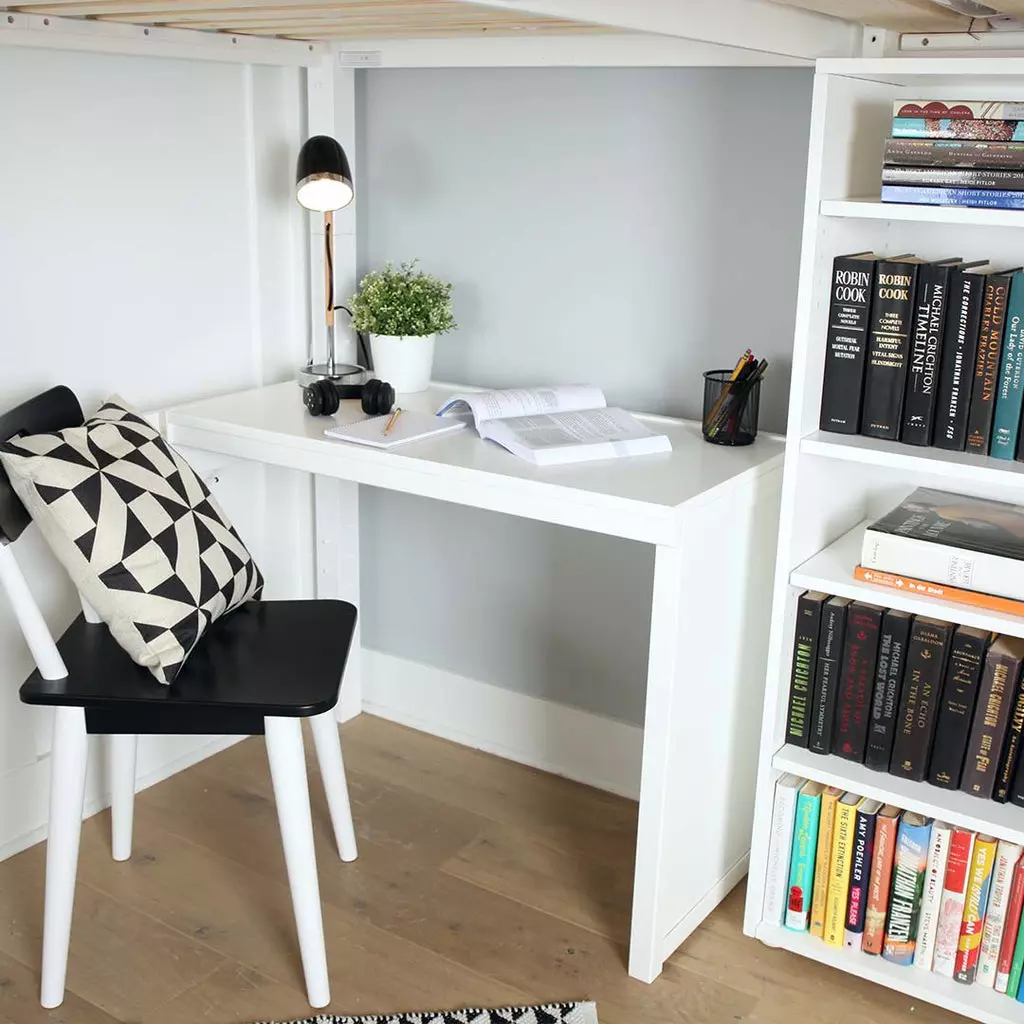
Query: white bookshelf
(834, 484)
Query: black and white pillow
(138, 532)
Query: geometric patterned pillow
(138, 532)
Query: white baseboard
(24, 792)
(599, 751)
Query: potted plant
(403, 310)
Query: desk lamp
(323, 184)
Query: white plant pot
(404, 361)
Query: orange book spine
(879, 882)
(822, 860)
(922, 588)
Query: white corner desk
(712, 514)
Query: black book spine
(885, 701)
(987, 361)
(959, 344)
(805, 661)
(929, 641)
(995, 693)
(956, 710)
(860, 656)
(1011, 747)
(846, 345)
(826, 679)
(963, 153)
(925, 353)
(885, 375)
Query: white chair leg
(332, 771)
(68, 760)
(121, 754)
(291, 794)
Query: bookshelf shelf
(1006, 821)
(831, 571)
(875, 209)
(952, 467)
(972, 1001)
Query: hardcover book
(802, 856)
(964, 110)
(939, 591)
(1006, 419)
(1017, 964)
(970, 543)
(956, 707)
(959, 346)
(779, 845)
(823, 857)
(826, 679)
(1007, 857)
(1014, 905)
(979, 881)
(1007, 130)
(885, 700)
(954, 894)
(986, 362)
(880, 881)
(805, 660)
(978, 198)
(907, 886)
(991, 717)
(853, 707)
(967, 153)
(885, 374)
(915, 727)
(840, 863)
(925, 352)
(1010, 756)
(853, 282)
(954, 177)
(860, 871)
(931, 897)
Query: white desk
(712, 514)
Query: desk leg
(337, 570)
(705, 689)
(645, 944)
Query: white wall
(150, 245)
(625, 227)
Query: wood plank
(900, 15)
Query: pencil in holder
(730, 408)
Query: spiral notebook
(410, 426)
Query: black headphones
(323, 397)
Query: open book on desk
(556, 425)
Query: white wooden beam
(527, 50)
(751, 24)
(50, 32)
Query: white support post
(337, 571)
(30, 618)
(332, 771)
(122, 752)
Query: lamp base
(342, 373)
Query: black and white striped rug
(555, 1013)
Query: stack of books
(967, 153)
(917, 697)
(927, 353)
(892, 883)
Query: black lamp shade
(323, 180)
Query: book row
(984, 133)
(894, 884)
(927, 353)
(916, 697)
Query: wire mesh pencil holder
(730, 409)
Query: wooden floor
(479, 882)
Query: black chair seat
(280, 658)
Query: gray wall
(628, 228)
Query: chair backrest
(52, 410)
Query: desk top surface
(270, 424)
